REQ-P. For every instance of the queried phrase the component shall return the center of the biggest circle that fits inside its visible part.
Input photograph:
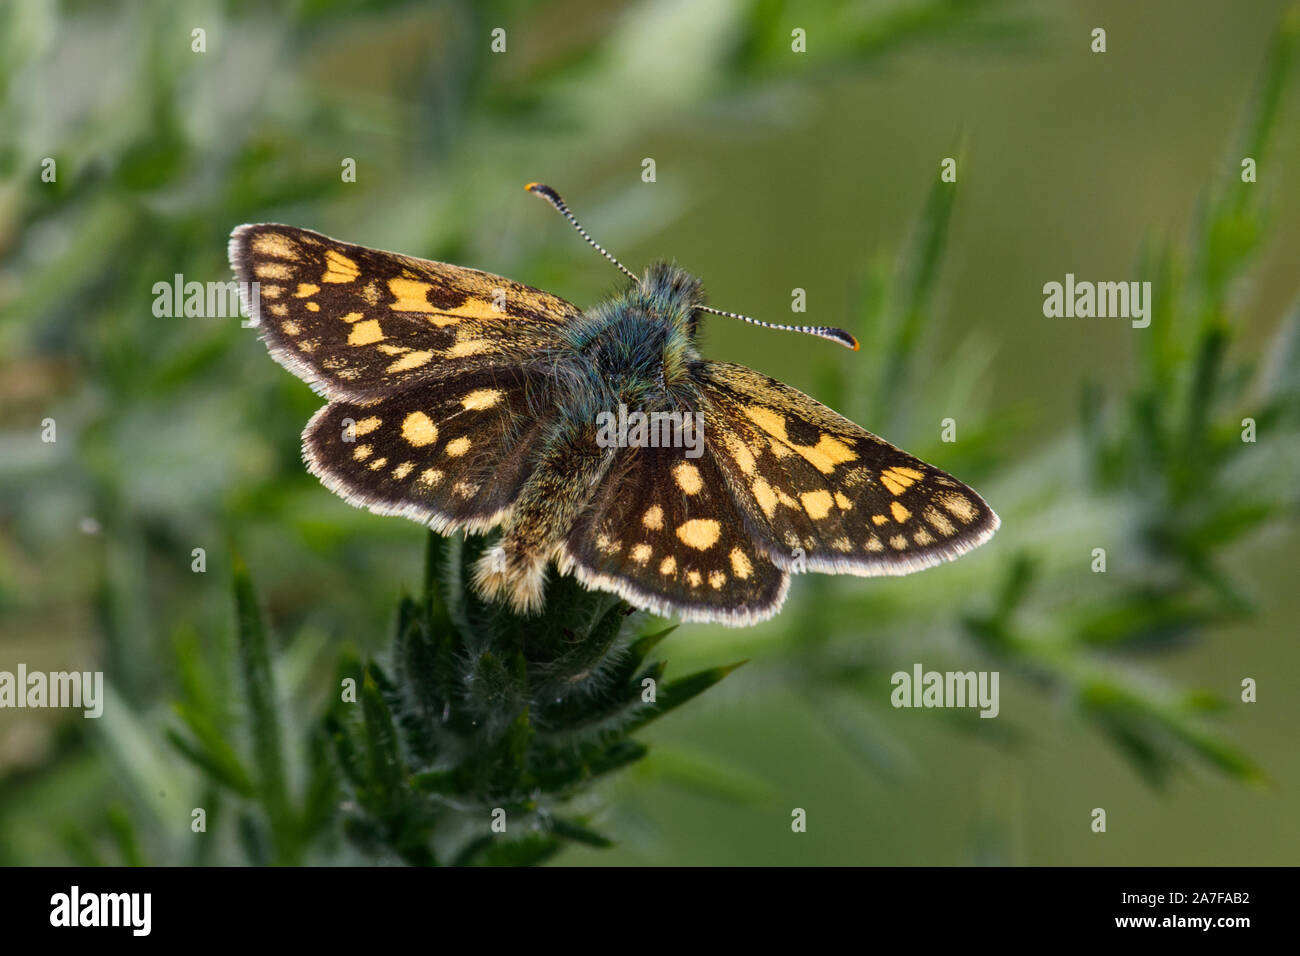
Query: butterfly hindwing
(820, 491)
(358, 323)
(451, 453)
(664, 532)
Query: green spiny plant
(477, 742)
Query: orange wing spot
(687, 477)
(366, 333)
(305, 289)
(900, 513)
(878, 520)
(817, 503)
(939, 521)
(411, 295)
(699, 533)
(277, 245)
(338, 267)
(409, 361)
(419, 430)
(351, 317)
(959, 506)
(740, 564)
(273, 270)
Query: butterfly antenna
(552, 197)
(821, 331)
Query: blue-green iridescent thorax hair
(636, 347)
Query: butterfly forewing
(823, 493)
(452, 453)
(665, 533)
(357, 323)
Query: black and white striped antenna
(821, 331)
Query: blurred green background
(775, 170)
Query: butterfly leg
(561, 486)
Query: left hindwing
(452, 454)
(358, 323)
(814, 486)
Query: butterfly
(470, 402)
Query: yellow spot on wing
(741, 454)
(653, 518)
(764, 495)
(740, 564)
(688, 478)
(482, 398)
(717, 579)
(843, 501)
(959, 506)
(826, 454)
(419, 430)
(351, 317)
(274, 244)
(668, 565)
(641, 553)
(461, 349)
(409, 361)
(458, 446)
(430, 477)
(338, 267)
(878, 520)
(305, 289)
(693, 578)
(898, 542)
(273, 270)
(900, 513)
(361, 452)
(366, 333)
(411, 295)
(402, 470)
(366, 426)
(939, 521)
(817, 503)
(700, 533)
